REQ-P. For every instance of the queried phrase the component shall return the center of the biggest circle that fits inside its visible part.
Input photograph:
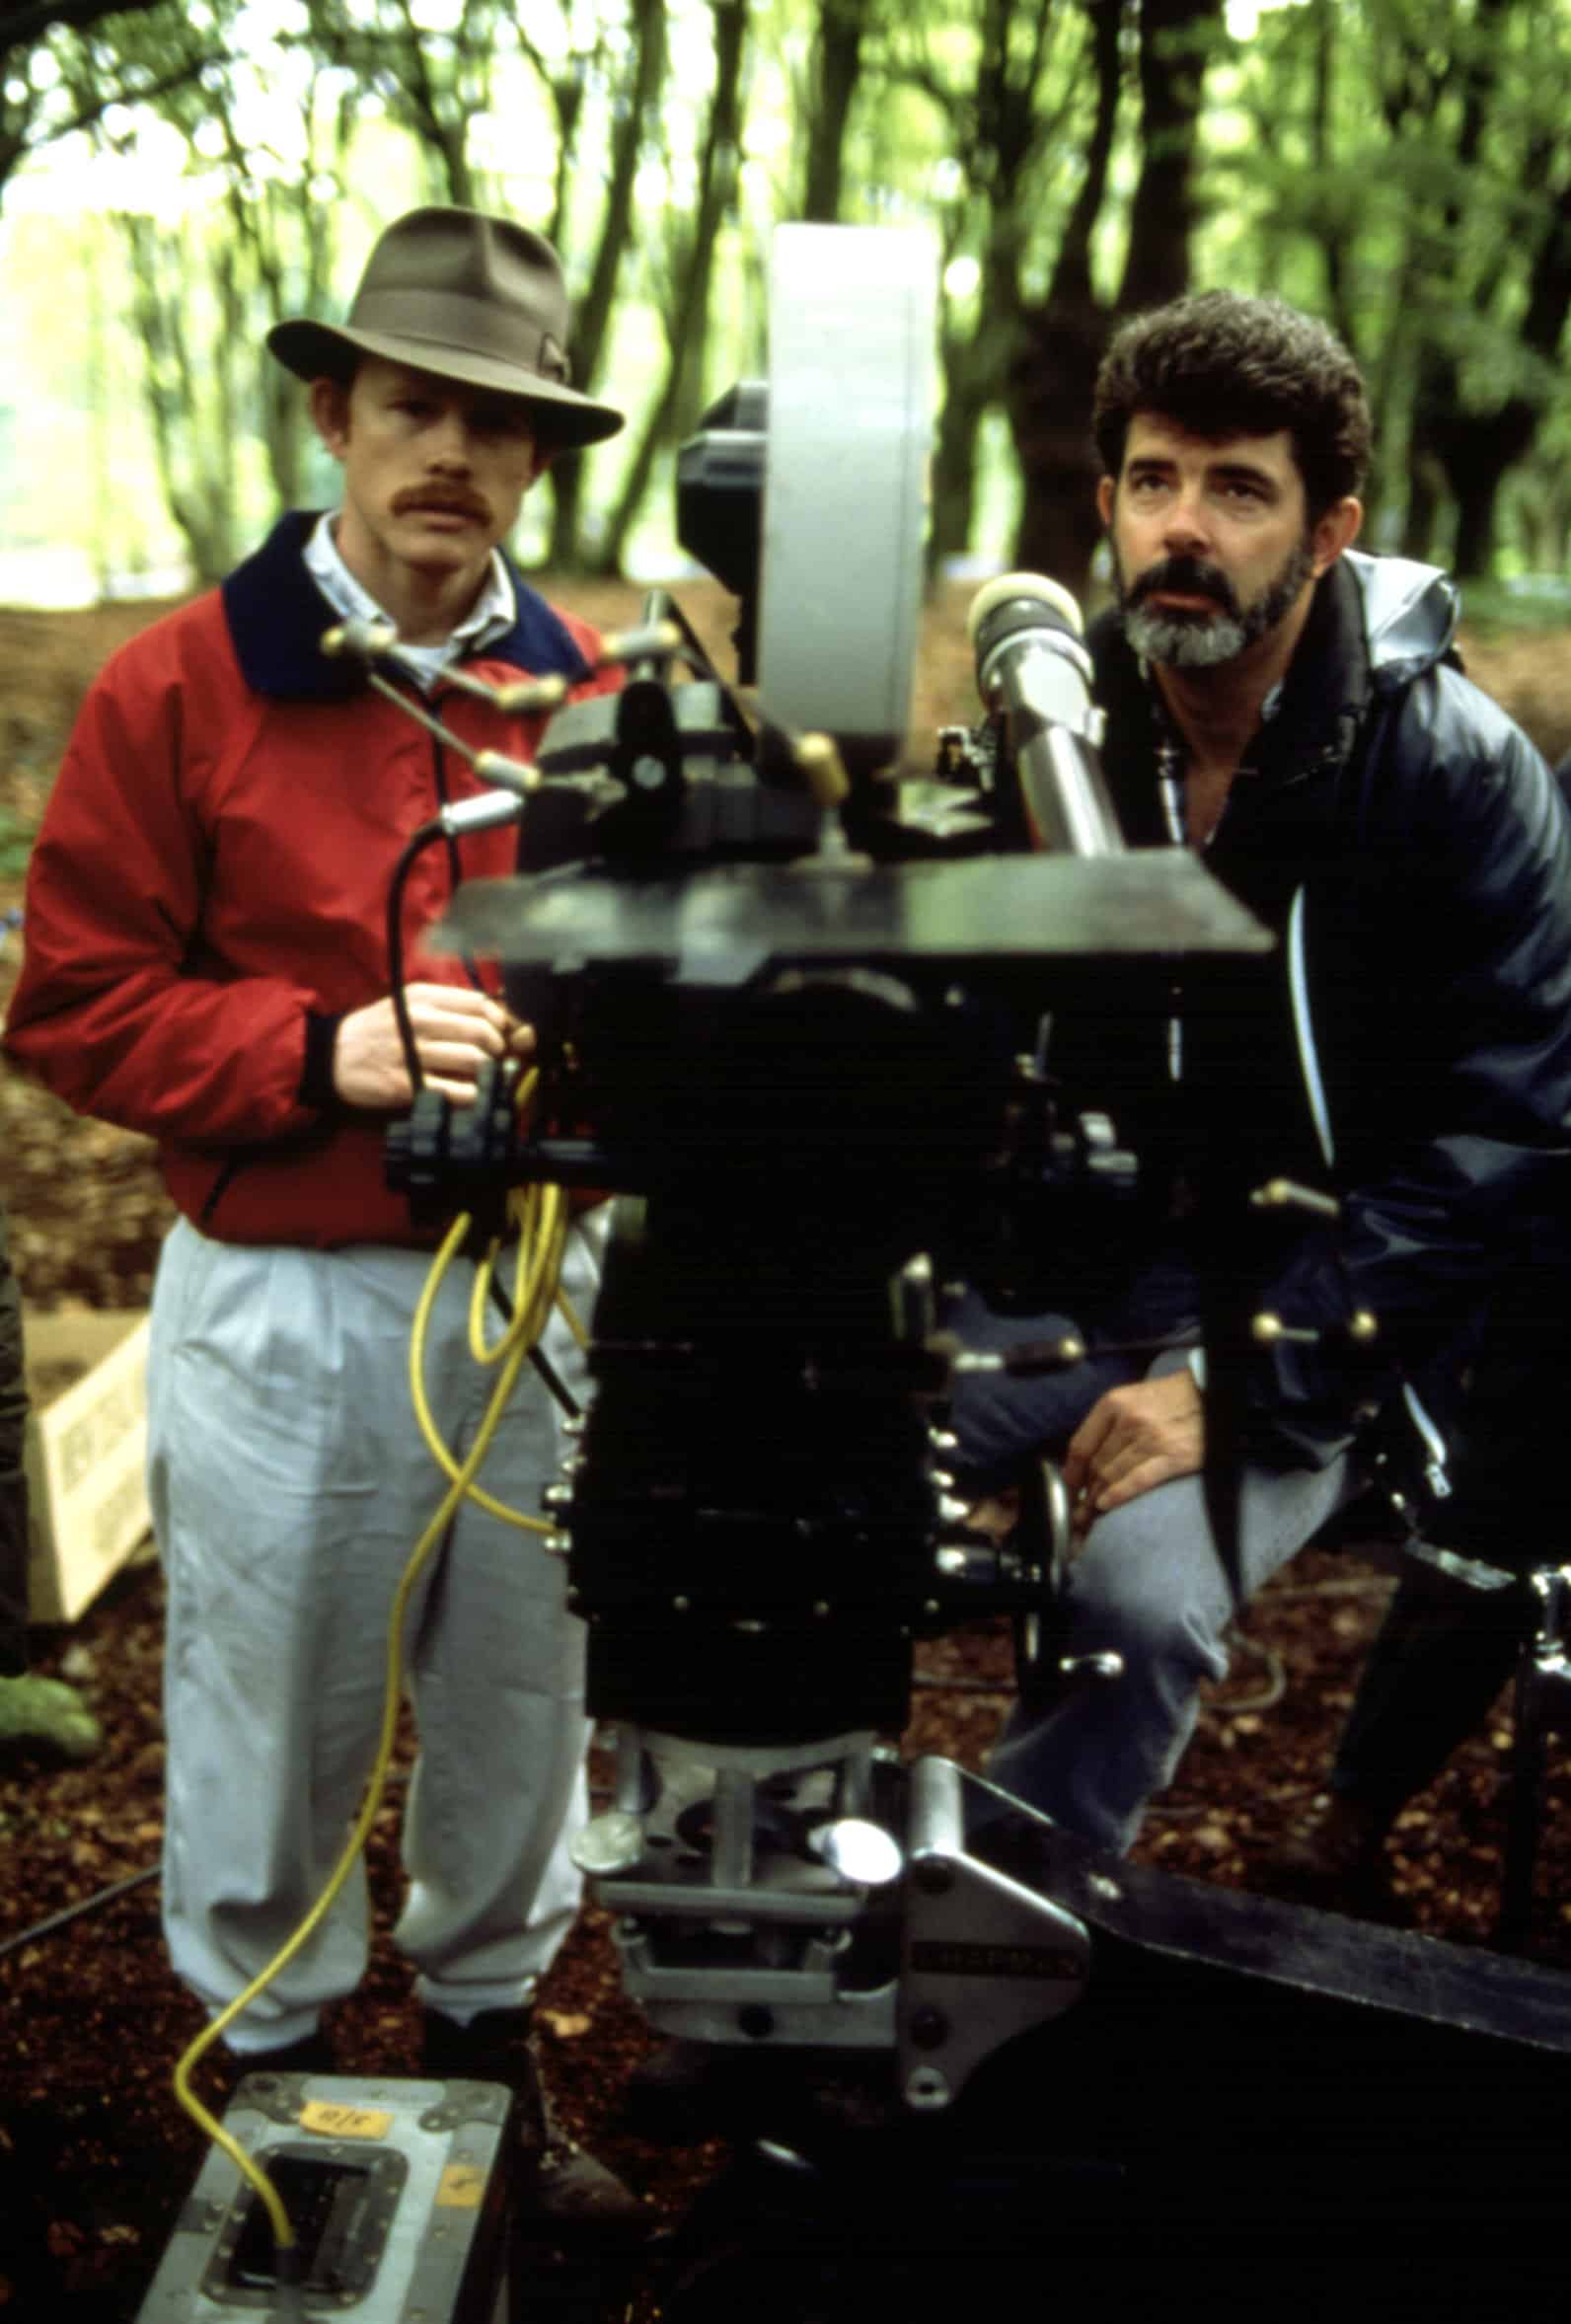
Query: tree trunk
(1059, 344)
(1062, 340)
(968, 391)
(689, 331)
(837, 68)
(197, 491)
(1420, 536)
(1478, 451)
(1059, 529)
(592, 316)
(1175, 41)
(1474, 551)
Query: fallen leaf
(567, 2024)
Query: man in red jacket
(207, 962)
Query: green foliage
(1406, 170)
(15, 844)
(1504, 608)
(1402, 166)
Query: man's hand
(455, 1031)
(1133, 1439)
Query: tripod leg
(1533, 1689)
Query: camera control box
(398, 2192)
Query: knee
(1138, 1607)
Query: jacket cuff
(316, 1075)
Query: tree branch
(24, 27)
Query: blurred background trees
(173, 177)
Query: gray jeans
(1150, 1586)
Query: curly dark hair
(1220, 365)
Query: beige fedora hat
(468, 297)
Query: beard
(1192, 640)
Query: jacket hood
(1410, 614)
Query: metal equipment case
(399, 2191)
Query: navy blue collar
(277, 615)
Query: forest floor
(94, 2155)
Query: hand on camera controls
(1133, 1439)
(456, 1029)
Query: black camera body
(798, 1031)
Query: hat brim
(322, 351)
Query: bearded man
(1295, 711)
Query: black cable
(554, 1384)
(423, 838)
(70, 1913)
(546, 1371)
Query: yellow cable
(539, 1269)
(523, 1100)
(462, 1483)
(540, 1216)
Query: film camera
(792, 1016)
(790, 1010)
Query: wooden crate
(86, 1455)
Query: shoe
(682, 2093)
(1333, 1857)
(564, 2188)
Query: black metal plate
(723, 925)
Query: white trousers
(290, 1484)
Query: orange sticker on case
(461, 2187)
(343, 2122)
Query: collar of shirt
(493, 614)
(1173, 754)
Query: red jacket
(212, 873)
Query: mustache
(1185, 576)
(443, 496)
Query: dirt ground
(95, 2156)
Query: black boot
(1334, 1858)
(564, 2188)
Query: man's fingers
(465, 999)
(1087, 1441)
(467, 1013)
(458, 1030)
(1159, 1470)
(441, 1054)
(1130, 1453)
(1133, 1439)
(455, 1031)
